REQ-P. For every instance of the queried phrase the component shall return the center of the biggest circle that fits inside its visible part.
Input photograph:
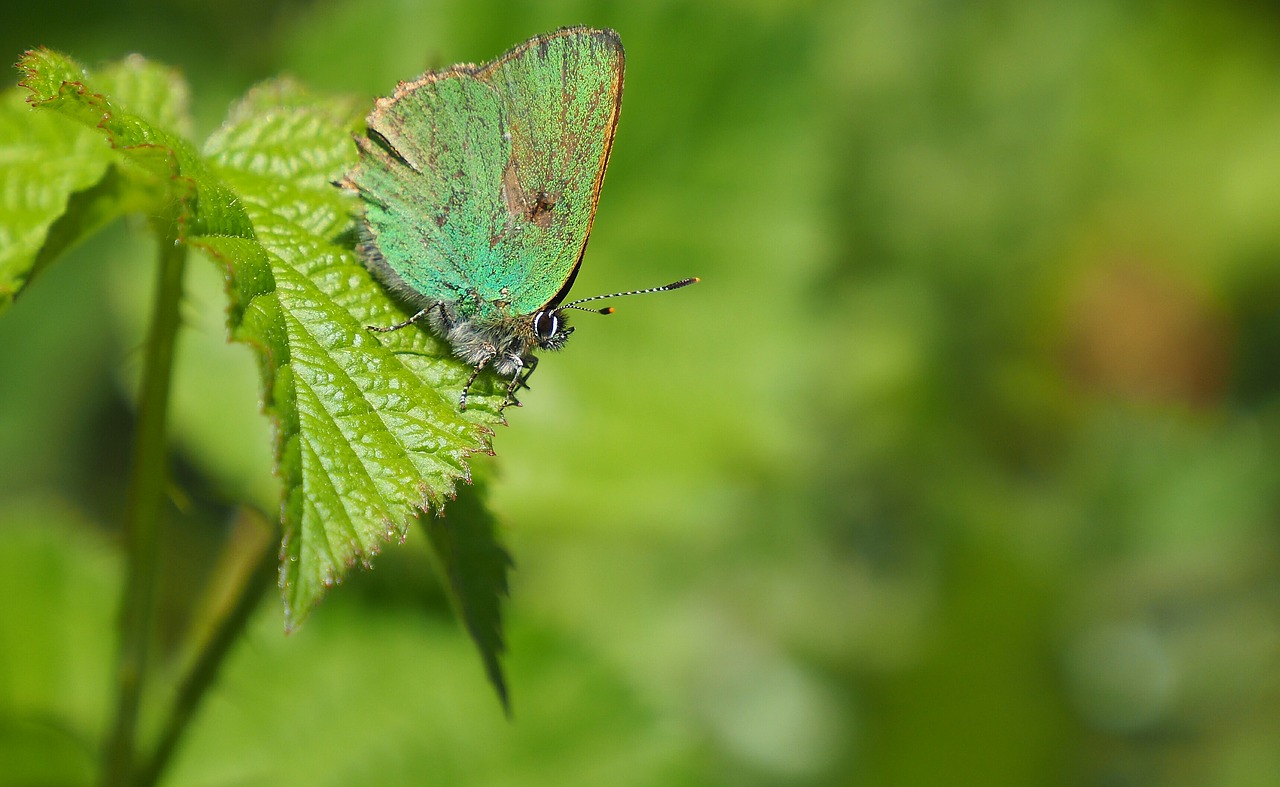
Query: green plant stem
(142, 513)
(204, 670)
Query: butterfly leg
(387, 329)
(517, 379)
(530, 364)
(489, 355)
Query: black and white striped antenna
(675, 285)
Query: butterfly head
(550, 329)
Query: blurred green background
(960, 467)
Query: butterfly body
(505, 343)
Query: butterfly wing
(561, 94)
(433, 154)
(481, 183)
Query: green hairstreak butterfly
(480, 185)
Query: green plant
(367, 433)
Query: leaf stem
(143, 507)
(249, 586)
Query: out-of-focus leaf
(150, 90)
(474, 566)
(58, 185)
(154, 157)
(44, 161)
(54, 679)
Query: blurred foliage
(959, 468)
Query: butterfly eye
(546, 325)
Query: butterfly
(480, 185)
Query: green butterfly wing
(480, 183)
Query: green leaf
(154, 92)
(61, 181)
(155, 159)
(474, 566)
(57, 641)
(368, 430)
(44, 161)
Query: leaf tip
(44, 71)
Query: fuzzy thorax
(505, 344)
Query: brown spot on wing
(523, 204)
(512, 192)
(540, 211)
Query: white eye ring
(546, 324)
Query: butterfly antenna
(675, 285)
